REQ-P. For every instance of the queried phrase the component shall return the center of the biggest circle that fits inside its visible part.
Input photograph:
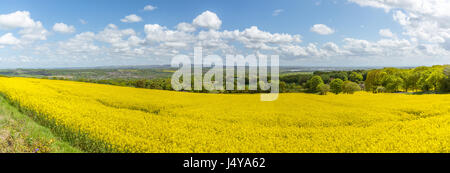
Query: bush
(355, 77)
(350, 87)
(380, 89)
(313, 83)
(336, 86)
(323, 89)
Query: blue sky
(308, 33)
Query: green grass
(20, 134)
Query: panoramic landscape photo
(200, 76)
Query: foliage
(350, 87)
(418, 79)
(313, 83)
(336, 86)
(355, 77)
(323, 89)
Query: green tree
(435, 77)
(422, 83)
(445, 83)
(313, 83)
(392, 83)
(323, 89)
(410, 80)
(336, 86)
(282, 87)
(355, 77)
(374, 79)
(350, 87)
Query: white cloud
(149, 8)
(277, 12)
(185, 27)
(427, 21)
(254, 38)
(36, 32)
(435, 8)
(120, 40)
(18, 19)
(208, 19)
(382, 48)
(63, 28)
(386, 33)
(322, 29)
(83, 42)
(31, 30)
(132, 18)
(428, 39)
(160, 34)
(9, 39)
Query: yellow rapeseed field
(103, 118)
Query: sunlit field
(104, 118)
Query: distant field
(99, 74)
(103, 118)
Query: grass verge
(20, 134)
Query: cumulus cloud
(120, 40)
(63, 28)
(149, 8)
(18, 19)
(160, 43)
(31, 30)
(80, 43)
(172, 38)
(36, 32)
(254, 38)
(185, 27)
(208, 19)
(386, 33)
(9, 39)
(132, 18)
(322, 29)
(427, 21)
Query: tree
(341, 75)
(410, 80)
(422, 83)
(326, 78)
(380, 89)
(313, 83)
(140, 83)
(355, 77)
(435, 77)
(282, 87)
(350, 87)
(374, 79)
(323, 89)
(392, 83)
(445, 83)
(336, 86)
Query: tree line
(420, 79)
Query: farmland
(105, 118)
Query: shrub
(336, 86)
(313, 83)
(323, 89)
(350, 87)
(380, 89)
